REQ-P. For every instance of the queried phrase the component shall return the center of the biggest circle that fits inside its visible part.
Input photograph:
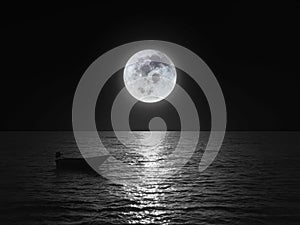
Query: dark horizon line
(148, 130)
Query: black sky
(252, 49)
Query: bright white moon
(150, 76)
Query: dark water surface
(255, 179)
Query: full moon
(150, 76)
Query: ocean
(255, 179)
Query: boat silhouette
(77, 164)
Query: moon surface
(150, 76)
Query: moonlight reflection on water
(148, 197)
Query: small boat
(77, 164)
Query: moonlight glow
(150, 76)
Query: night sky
(253, 51)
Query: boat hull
(79, 164)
